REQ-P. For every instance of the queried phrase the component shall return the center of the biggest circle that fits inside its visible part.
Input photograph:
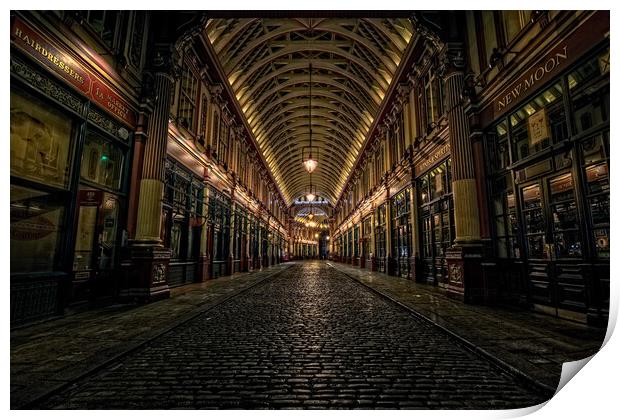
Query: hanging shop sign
(538, 127)
(437, 156)
(64, 65)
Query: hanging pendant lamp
(310, 162)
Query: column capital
(165, 60)
(451, 59)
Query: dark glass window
(596, 167)
(539, 123)
(589, 89)
(188, 98)
(183, 210)
(104, 23)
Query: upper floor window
(187, 99)
(105, 23)
(430, 101)
(514, 21)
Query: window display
(40, 141)
(36, 226)
(538, 124)
(102, 162)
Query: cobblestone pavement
(55, 353)
(534, 344)
(308, 338)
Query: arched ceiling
(267, 63)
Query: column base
(146, 278)
(229, 266)
(466, 282)
(391, 266)
(203, 271)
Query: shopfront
(401, 231)
(254, 261)
(356, 245)
(219, 217)
(435, 219)
(239, 238)
(366, 242)
(183, 221)
(70, 160)
(380, 238)
(264, 247)
(548, 157)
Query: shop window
(40, 141)
(589, 89)
(436, 220)
(401, 229)
(505, 217)
(380, 235)
(566, 237)
(503, 200)
(187, 102)
(540, 123)
(102, 162)
(534, 221)
(183, 205)
(36, 229)
(596, 169)
(498, 146)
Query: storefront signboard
(64, 65)
(435, 157)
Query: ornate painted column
(465, 256)
(414, 258)
(373, 250)
(147, 276)
(390, 261)
(230, 266)
(204, 259)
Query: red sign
(90, 197)
(63, 64)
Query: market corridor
(309, 337)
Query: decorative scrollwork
(46, 85)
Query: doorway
(96, 246)
(553, 245)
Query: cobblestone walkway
(535, 344)
(54, 353)
(308, 338)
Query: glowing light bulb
(310, 164)
(310, 197)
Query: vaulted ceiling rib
(267, 64)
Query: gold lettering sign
(63, 63)
(538, 127)
(439, 154)
(531, 79)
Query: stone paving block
(311, 310)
